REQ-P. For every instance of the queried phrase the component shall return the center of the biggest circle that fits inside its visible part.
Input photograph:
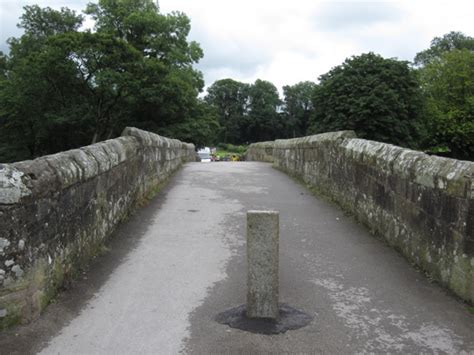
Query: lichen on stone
(57, 211)
(12, 187)
(420, 204)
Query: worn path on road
(181, 260)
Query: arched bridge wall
(421, 205)
(56, 211)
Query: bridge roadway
(181, 260)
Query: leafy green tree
(448, 86)
(263, 122)
(378, 98)
(166, 86)
(3, 66)
(157, 36)
(229, 98)
(39, 84)
(297, 107)
(199, 128)
(44, 22)
(40, 24)
(450, 41)
(64, 83)
(61, 88)
(105, 67)
(247, 113)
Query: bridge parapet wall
(421, 205)
(261, 151)
(56, 211)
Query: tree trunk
(95, 137)
(110, 134)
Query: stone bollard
(262, 314)
(262, 259)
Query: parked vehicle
(205, 155)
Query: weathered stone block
(57, 210)
(39, 176)
(262, 254)
(12, 187)
(100, 155)
(66, 168)
(422, 205)
(262, 151)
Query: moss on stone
(391, 211)
(77, 201)
(456, 187)
(460, 280)
(17, 286)
(151, 193)
(42, 299)
(13, 316)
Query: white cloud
(11, 10)
(346, 16)
(290, 41)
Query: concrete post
(262, 259)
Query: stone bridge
(378, 247)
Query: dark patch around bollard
(289, 319)
(263, 314)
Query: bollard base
(290, 319)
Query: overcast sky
(293, 40)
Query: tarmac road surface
(181, 260)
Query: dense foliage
(298, 107)
(440, 45)
(428, 106)
(263, 122)
(229, 99)
(61, 88)
(448, 86)
(377, 98)
(247, 113)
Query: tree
(263, 121)
(65, 83)
(199, 127)
(297, 107)
(229, 98)
(61, 88)
(44, 22)
(166, 86)
(3, 66)
(39, 89)
(105, 67)
(247, 113)
(378, 98)
(40, 24)
(448, 86)
(157, 36)
(450, 41)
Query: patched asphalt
(180, 261)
